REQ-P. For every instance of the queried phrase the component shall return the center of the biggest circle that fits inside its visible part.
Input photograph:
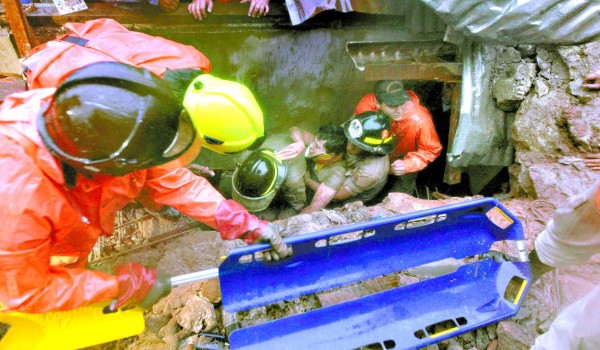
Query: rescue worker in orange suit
(180, 65)
(71, 158)
(417, 142)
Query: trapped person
(71, 158)
(325, 170)
(416, 141)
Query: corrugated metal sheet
(511, 22)
(483, 132)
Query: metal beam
(21, 30)
(438, 71)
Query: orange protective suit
(417, 141)
(106, 40)
(48, 229)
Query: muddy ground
(191, 316)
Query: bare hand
(592, 80)
(200, 8)
(201, 170)
(291, 151)
(397, 168)
(168, 5)
(592, 161)
(258, 8)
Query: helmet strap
(69, 174)
(325, 159)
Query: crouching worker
(71, 158)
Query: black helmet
(256, 181)
(112, 118)
(371, 131)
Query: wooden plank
(437, 71)
(21, 30)
(452, 175)
(9, 60)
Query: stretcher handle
(194, 277)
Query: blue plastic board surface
(387, 245)
(401, 318)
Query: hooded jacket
(417, 141)
(48, 229)
(107, 40)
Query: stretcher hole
(499, 217)
(441, 328)
(345, 237)
(420, 334)
(369, 233)
(514, 289)
(461, 321)
(387, 345)
(419, 222)
(244, 259)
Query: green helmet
(371, 131)
(256, 181)
(112, 118)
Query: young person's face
(394, 112)
(316, 147)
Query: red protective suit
(417, 141)
(106, 40)
(48, 230)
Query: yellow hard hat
(225, 113)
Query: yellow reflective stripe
(374, 141)
(443, 332)
(520, 293)
(505, 215)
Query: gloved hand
(270, 234)
(139, 285)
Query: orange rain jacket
(106, 40)
(417, 141)
(48, 230)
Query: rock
(453, 344)
(513, 336)
(510, 91)
(211, 290)
(198, 314)
(481, 338)
(155, 322)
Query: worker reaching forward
(71, 158)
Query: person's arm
(195, 197)
(572, 236)
(297, 134)
(28, 281)
(322, 197)
(342, 194)
(310, 182)
(428, 148)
